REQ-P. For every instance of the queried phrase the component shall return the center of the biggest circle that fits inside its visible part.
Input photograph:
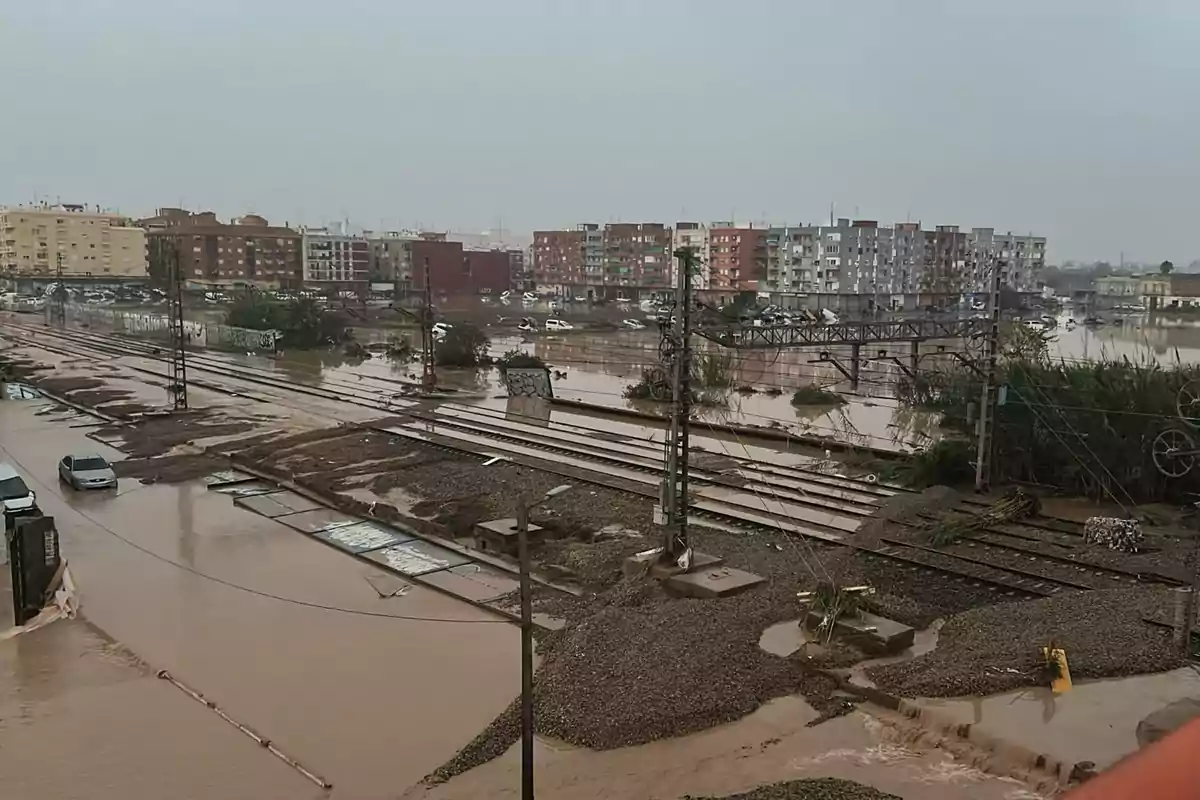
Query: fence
(158, 326)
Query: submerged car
(16, 496)
(86, 472)
(632, 324)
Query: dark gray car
(87, 472)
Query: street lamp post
(527, 639)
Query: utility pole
(985, 447)
(675, 484)
(177, 388)
(60, 294)
(526, 592)
(428, 373)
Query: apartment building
(91, 243)
(248, 251)
(335, 261)
(558, 258)
(694, 236)
(620, 259)
(869, 266)
(520, 269)
(637, 256)
(737, 256)
(389, 257)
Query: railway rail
(809, 504)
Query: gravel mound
(639, 666)
(996, 649)
(808, 789)
(633, 674)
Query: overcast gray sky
(1076, 119)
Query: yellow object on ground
(1063, 682)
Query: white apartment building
(883, 264)
(334, 259)
(96, 244)
(693, 235)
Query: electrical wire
(236, 586)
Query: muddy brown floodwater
(371, 704)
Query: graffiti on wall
(158, 326)
(528, 382)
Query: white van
(559, 325)
(16, 496)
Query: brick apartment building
(456, 270)
(737, 257)
(622, 259)
(245, 252)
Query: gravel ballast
(997, 649)
(638, 666)
(807, 789)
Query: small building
(1153, 289)
(1184, 292)
(1117, 286)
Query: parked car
(86, 471)
(632, 324)
(16, 496)
(559, 325)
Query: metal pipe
(262, 742)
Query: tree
(1165, 268)
(463, 346)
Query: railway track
(752, 496)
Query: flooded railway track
(752, 495)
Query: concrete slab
(416, 558)
(246, 489)
(498, 582)
(226, 476)
(470, 581)
(318, 519)
(277, 504)
(713, 582)
(362, 536)
(263, 504)
(872, 634)
(641, 563)
(500, 535)
(700, 562)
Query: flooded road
(772, 744)
(372, 704)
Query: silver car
(87, 472)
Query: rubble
(1123, 535)
(807, 789)
(997, 648)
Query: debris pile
(808, 789)
(999, 648)
(1015, 505)
(1122, 535)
